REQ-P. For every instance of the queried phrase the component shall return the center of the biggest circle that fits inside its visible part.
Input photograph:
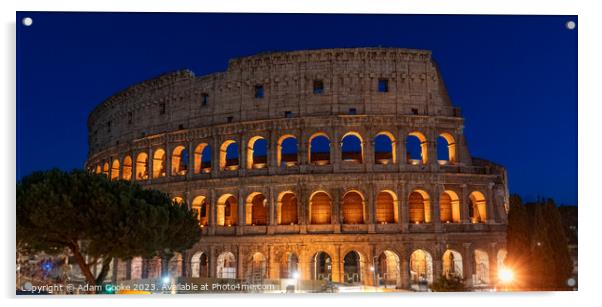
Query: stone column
(371, 210)
(405, 269)
(368, 148)
(468, 264)
(190, 170)
(271, 159)
(239, 263)
(401, 148)
(212, 262)
(489, 203)
(215, 155)
(493, 269)
(335, 150)
(168, 157)
(404, 211)
(212, 203)
(464, 203)
(241, 213)
(337, 263)
(336, 210)
(436, 209)
(242, 154)
(302, 150)
(128, 270)
(437, 262)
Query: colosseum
(303, 167)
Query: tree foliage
(98, 220)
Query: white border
(589, 140)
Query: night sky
(515, 77)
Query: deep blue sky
(515, 77)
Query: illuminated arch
(226, 265)
(421, 148)
(449, 206)
(127, 168)
(199, 265)
(286, 211)
(388, 269)
(321, 266)
(174, 267)
(316, 156)
(289, 266)
(255, 146)
(388, 153)
(257, 267)
(352, 147)
(256, 209)
(98, 169)
(353, 263)
(178, 200)
(159, 163)
(420, 207)
(142, 166)
(353, 208)
(228, 155)
(284, 155)
(201, 210)
(387, 206)
(105, 169)
(179, 161)
(481, 259)
(202, 158)
(421, 267)
(477, 207)
(320, 208)
(452, 264)
(227, 210)
(136, 268)
(115, 170)
(445, 139)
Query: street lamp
(296, 278)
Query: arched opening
(256, 211)
(452, 264)
(179, 161)
(142, 166)
(98, 169)
(287, 209)
(449, 206)
(320, 208)
(289, 267)
(386, 207)
(226, 265)
(421, 267)
(416, 148)
(352, 148)
(319, 149)
(159, 163)
(199, 265)
(257, 153)
(257, 268)
(174, 267)
(321, 266)
(201, 210)
(477, 207)
(136, 269)
(228, 156)
(178, 200)
(446, 149)
(353, 208)
(388, 269)
(384, 148)
(105, 169)
(420, 207)
(154, 268)
(286, 152)
(115, 170)
(202, 158)
(127, 168)
(481, 277)
(352, 268)
(227, 210)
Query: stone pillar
(239, 263)
(437, 262)
(401, 148)
(168, 157)
(464, 203)
(436, 209)
(404, 210)
(271, 152)
(371, 210)
(493, 269)
(242, 154)
(241, 213)
(128, 270)
(337, 263)
(489, 203)
(185, 266)
(335, 150)
(468, 264)
(215, 156)
(212, 203)
(190, 170)
(336, 218)
(368, 148)
(302, 150)
(212, 262)
(405, 269)
(115, 269)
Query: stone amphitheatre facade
(348, 165)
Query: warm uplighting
(506, 275)
(296, 275)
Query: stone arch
(287, 151)
(452, 264)
(353, 208)
(289, 266)
(227, 210)
(174, 267)
(352, 148)
(154, 268)
(228, 155)
(416, 148)
(321, 266)
(142, 166)
(179, 161)
(319, 149)
(387, 206)
(420, 207)
(446, 148)
(353, 267)
(257, 268)
(226, 265)
(256, 209)
(202, 158)
(477, 207)
(385, 151)
(201, 210)
(105, 169)
(449, 206)
(178, 200)
(115, 170)
(199, 265)
(286, 211)
(421, 267)
(127, 168)
(136, 268)
(481, 276)
(98, 169)
(320, 208)
(388, 269)
(257, 152)
(159, 163)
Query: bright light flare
(506, 275)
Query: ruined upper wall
(350, 77)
